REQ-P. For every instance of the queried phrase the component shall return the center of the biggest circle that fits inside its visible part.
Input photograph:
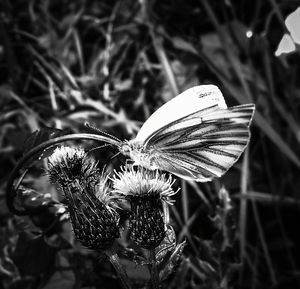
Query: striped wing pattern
(203, 145)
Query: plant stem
(153, 270)
(115, 261)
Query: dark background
(113, 63)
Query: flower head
(143, 183)
(145, 190)
(88, 196)
(69, 164)
(95, 224)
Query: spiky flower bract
(145, 190)
(95, 225)
(90, 204)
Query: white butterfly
(194, 135)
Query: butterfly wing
(203, 144)
(190, 101)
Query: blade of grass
(184, 202)
(278, 14)
(198, 273)
(264, 244)
(58, 123)
(165, 62)
(262, 123)
(120, 117)
(30, 116)
(255, 270)
(199, 192)
(47, 65)
(107, 51)
(276, 138)
(287, 116)
(181, 225)
(79, 51)
(267, 198)
(229, 52)
(186, 225)
(243, 203)
(8, 48)
(69, 75)
(157, 41)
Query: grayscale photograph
(149, 144)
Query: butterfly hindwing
(185, 167)
(204, 144)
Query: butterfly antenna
(100, 132)
(99, 147)
(115, 155)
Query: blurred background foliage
(112, 63)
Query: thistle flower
(90, 204)
(145, 190)
(70, 164)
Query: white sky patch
(287, 43)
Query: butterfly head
(138, 153)
(127, 147)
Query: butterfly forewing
(204, 144)
(190, 101)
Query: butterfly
(194, 136)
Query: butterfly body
(142, 156)
(194, 135)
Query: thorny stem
(153, 270)
(115, 261)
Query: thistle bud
(145, 190)
(90, 204)
(94, 224)
(146, 225)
